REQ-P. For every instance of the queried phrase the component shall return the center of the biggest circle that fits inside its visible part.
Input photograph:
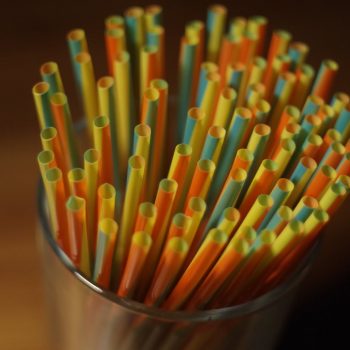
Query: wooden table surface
(33, 35)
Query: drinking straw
(77, 43)
(343, 123)
(311, 146)
(328, 117)
(179, 226)
(167, 271)
(216, 18)
(280, 248)
(261, 111)
(229, 53)
(283, 154)
(237, 26)
(262, 182)
(146, 217)
(339, 101)
(42, 104)
(325, 79)
(194, 131)
(106, 197)
(76, 219)
(114, 21)
(258, 250)
(281, 95)
(229, 261)
(235, 77)
(205, 69)
(156, 37)
(50, 74)
(50, 141)
(125, 108)
(344, 165)
(333, 197)
(179, 171)
(213, 143)
(280, 219)
(243, 160)
(148, 67)
(87, 86)
(235, 135)
(135, 34)
(247, 233)
(228, 220)
(134, 182)
(258, 25)
(298, 52)
(160, 134)
(115, 43)
(304, 77)
(278, 45)
(77, 182)
(228, 196)
(290, 114)
(140, 246)
(255, 93)
(313, 226)
(333, 155)
(304, 208)
(64, 126)
(321, 179)
(106, 239)
(207, 254)
(164, 203)
(209, 99)
(56, 198)
(312, 105)
(149, 117)
(256, 213)
(91, 167)
(280, 65)
(248, 47)
(280, 193)
(107, 108)
(201, 180)
(300, 177)
(310, 125)
(256, 70)
(187, 62)
(46, 160)
(153, 16)
(102, 143)
(141, 146)
(225, 107)
(257, 143)
(329, 138)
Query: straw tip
(217, 236)
(178, 244)
(142, 239)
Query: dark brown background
(33, 32)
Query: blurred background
(34, 32)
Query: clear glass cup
(84, 316)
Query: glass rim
(139, 308)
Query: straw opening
(41, 88)
(183, 149)
(76, 174)
(206, 165)
(48, 133)
(231, 214)
(178, 244)
(148, 209)
(106, 191)
(136, 162)
(159, 84)
(108, 226)
(239, 175)
(265, 200)
(134, 11)
(49, 68)
(83, 57)
(285, 185)
(196, 113)
(151, 94)
(228, 93)
(285, 213)
(105, 82)
(217, 132)
(308, 162)
(262, 129)
(91, 155)
(168, 185)
(143, 130)
(310, 202)
(53, 174)
(101, 121)
(181, 220)
(76, 35)
(142, 239)
(45, 157)
(197, 204)
(74, 203)
(59, 98)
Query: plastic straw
(51, 75)
(106, 239)
(41, 97)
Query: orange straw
(209, 251)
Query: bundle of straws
(260, 160)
